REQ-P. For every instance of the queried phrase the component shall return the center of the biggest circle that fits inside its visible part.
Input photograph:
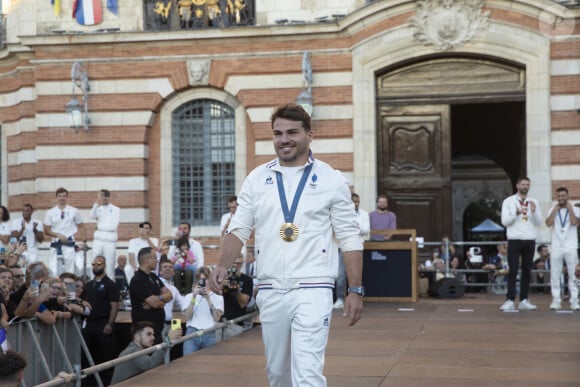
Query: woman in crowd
(204, 309)
(53, 299)
(75, 288)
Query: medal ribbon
(563, 221)
(289, 214)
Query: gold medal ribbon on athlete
(289, 231)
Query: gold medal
(289, 232)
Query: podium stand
(390, 267)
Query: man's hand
(216, 279)
(174, 334)
(353, 306)
(108, 329)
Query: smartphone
(13, 240)
(72, 294)
(201, 283)
(34, 285)
(44, 288)
(175, 324)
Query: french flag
(87, 12)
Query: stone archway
(394, 48)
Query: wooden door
(414, 167)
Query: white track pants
(557, 258)
(295, 327)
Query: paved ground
(464, 342)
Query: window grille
(203, 160)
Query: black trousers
(525, 249)
(102, 348)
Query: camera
(231, 280)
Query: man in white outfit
(296, 250)
(521, 216)
(61, 223)
(107, 216)
(29, 230)
(563, 218)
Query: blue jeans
(197, 343)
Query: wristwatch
(360, 290)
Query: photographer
(237, 291)
(204, 309)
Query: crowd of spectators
(155, 281)
(484, 269)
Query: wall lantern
(79, 112)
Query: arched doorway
(434, 112)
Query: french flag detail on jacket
(88, 12)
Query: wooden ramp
(465, 342)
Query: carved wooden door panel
(414, 166)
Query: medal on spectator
(524, 208)
(289, 232)
(563, 221)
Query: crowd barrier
(51, 350)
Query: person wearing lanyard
(563, 219)
(296, 250)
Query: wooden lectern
(390, 267)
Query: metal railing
(80, 374)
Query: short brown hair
(293, 113)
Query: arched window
(203, 142)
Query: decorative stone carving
(447, 24)
(198, 71)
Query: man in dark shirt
(121, 278)
(148, 294)
(99, 332)
(237, 292)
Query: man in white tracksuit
(563, 218)
(299, 207)
(107, 216)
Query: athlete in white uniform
(299, 207)
(107, 216)
(62, 223)
(563, 219)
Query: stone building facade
(394, 84)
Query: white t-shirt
(202, 318)
(564, 234)
(28, 233)
(137, 244)
(63, 221)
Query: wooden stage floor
(464, 342)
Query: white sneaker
(526, 305)
(338, 304)
(507, 306)
(556, 305)
(574, 305)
